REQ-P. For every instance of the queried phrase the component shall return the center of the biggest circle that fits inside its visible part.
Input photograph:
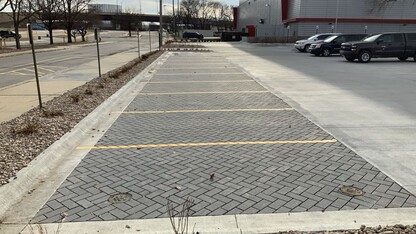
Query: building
(301, 18)
(105, 8)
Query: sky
(151, 6)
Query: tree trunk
(50, 36)
(17, 39)
(68, 33)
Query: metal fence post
(30, 32)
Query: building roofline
(350, 20)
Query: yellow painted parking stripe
(182, 93)
(199, 81)
(198, 111)
(194, 74)
(208, 144)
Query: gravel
(26, 136)
(399, 228)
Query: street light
(268, 5)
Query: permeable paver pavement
(202, 128)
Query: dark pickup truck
(386, 45)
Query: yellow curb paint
(202, 81)
(208, 144)
(182, 93)
(197, 111)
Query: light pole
(160, 24)
(269, 8)
(336, 17)
(173, 17)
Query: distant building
(300, 18)
(105, 8)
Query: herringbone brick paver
(247, 179)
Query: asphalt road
(19, 68)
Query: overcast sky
(151, 6)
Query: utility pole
(161, 25)
(173, 17)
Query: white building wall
(251, 11)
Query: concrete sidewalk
(19, 98)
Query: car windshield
(312, 37)
(372, 38)
(329, 39)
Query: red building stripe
(351, 20)
(285, 9)
(235, 17)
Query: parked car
(304, 45)
(7, 34)
(192, 35)
(384, 45)
(332, 44)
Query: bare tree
(3, 4)
(71, 10)
(189, 10)
(129, 19)
(21, 11)
(84, 22)
(49, 12)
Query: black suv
(383, 45)
(192, 35)
(332, 44)
(7, 34)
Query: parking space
(227, 142)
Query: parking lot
(370, 107)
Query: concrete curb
(61, 154)
(256, 223)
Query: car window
(312, 37)
(329, 39)
(321, 37)
(372, 38)
(388, 38)
(411, 37)
(398, 38)
(341, 39)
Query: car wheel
(326, 52)
(414, 58)
(365, 56)
(402, 58)
(350, 59)
(307, 48)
